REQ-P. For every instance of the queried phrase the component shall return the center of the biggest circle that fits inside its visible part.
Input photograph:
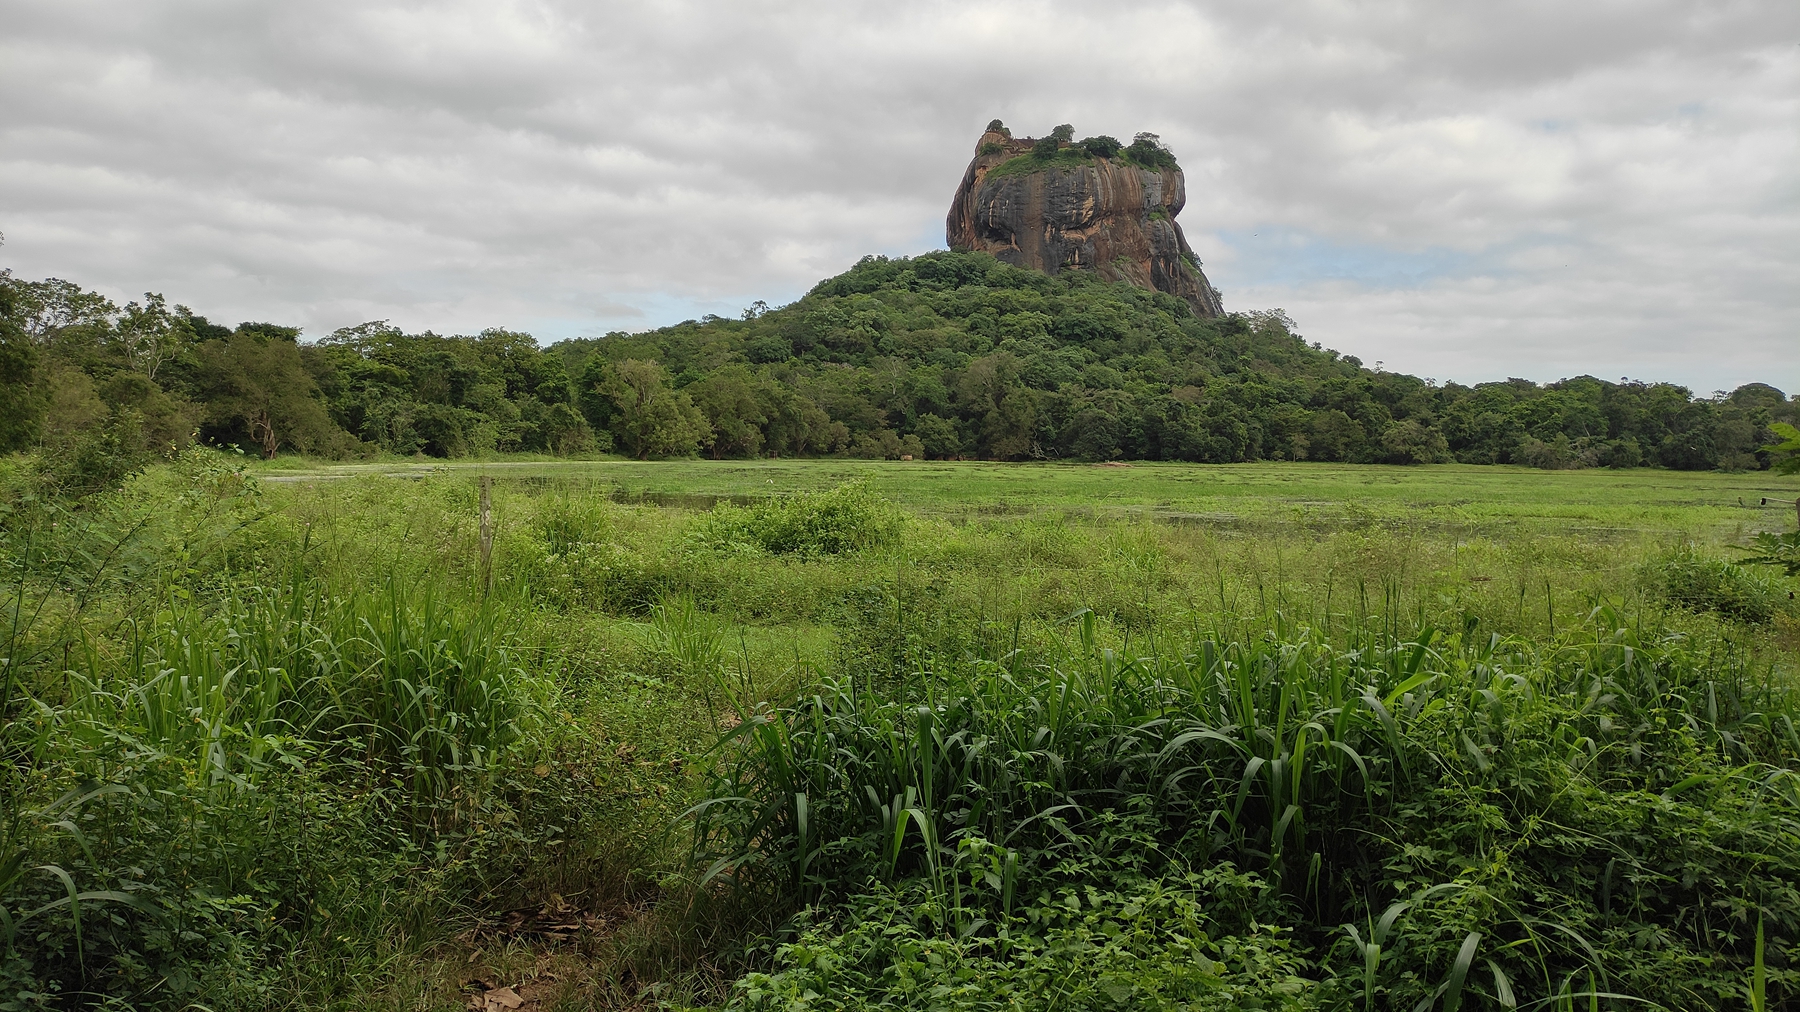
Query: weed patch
(1351, 738)
(1687, 579)
(848, 518)
(1481, 797)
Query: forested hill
(941, 355)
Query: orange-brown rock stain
(1102, 215)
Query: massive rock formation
(1080, 208)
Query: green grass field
(1705, 504)
(843, 734)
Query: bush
(1687, 579)
(1185, 941)
(847, 518)
(99, 458)
(233, 782)
(1102, 146)
(1146, 150)
(1408, 805)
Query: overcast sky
(1464, 191)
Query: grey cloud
(460, 165)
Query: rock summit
(1055, 204)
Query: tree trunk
(261, 427)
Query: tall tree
(653, 418)
(728, 399)
(51, 305)
(255, 381)
(149, 334)
(21, 398)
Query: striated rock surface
(1076, 210)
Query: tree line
(944, 355)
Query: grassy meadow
(860, 734)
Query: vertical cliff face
(1081, 211)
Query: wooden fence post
(487, 535)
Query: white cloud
(1464, 191)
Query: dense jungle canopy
(941, 355)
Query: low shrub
(278, 768)
(568, 523)
(1687, 579)
(1491, 821)
(1174, 940)
(848, 518)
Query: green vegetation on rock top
(1057, 153)
(1030, 162)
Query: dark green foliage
(98, 459)
(236, 773)
(1059, 149)
(1612, 807)
(975, 358)
(1101, 146)
(361, 389)
(1146, 151)
(1687, 579)
(455, 396)
(945, 354)
(257, 391)
(21, 398)
(202, 328)
(270, 331)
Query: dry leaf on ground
(499, 999)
